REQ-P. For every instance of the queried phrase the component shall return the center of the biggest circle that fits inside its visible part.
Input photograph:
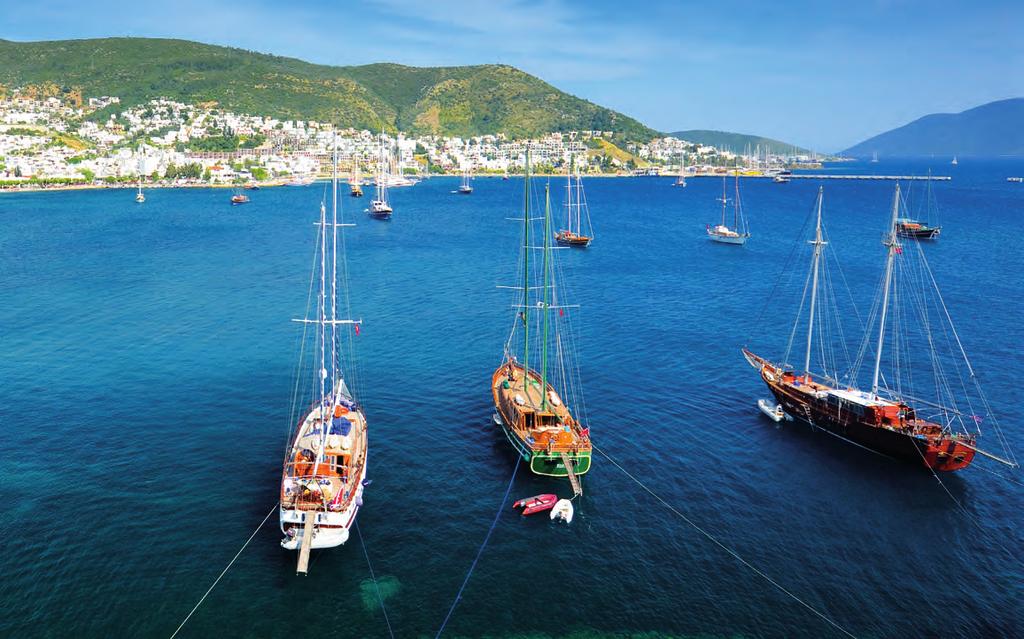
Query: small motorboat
(773, 410)
(536, 504)
(780, 179)
(563, 510)
(238, 198)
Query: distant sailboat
(874, 156)
(916, 229)
(139, 197)
(465, 188)
(324, 472)
(239, 198)
(380, 208)
(355, 183)
(954, 162)
(576, 210)
(722, 232)
(681, 179)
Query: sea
(147, 366)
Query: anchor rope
(223, 572)
(480, 551)
(376, 586)
(727, 549)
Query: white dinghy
(773, 410)
(563, 510)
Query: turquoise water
(146, 360)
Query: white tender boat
(563, 510)
(773, 410)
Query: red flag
(561, 312)
(899, 249)
(357, 328)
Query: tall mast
(893, 246)
(334, 266)
(568, 195)
(736, 205)
(322, 373)
(723, 201)
(547, 258)
(526, 271)
(818, 245)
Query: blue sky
(821, 74)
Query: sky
(819, 74)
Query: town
(55, 139)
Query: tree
(87, 174)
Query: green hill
(737, 142)
(462, 101)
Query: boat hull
(571, 239)
(728, 239)
(920, 234)
(541, 463)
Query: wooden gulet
(883, 423)
(325, 465)
(529, 409)
(575, 206)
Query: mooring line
(223, 572)
(480, 551)
(732, 552)
(376, 586)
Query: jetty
(902, 178)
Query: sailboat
(874, 157)
(139, 197)
(897, 417)
(954, 162)
(464, 187)
(529, 408)
(916, 229)
(324, 470)
(575, 210)
(380, 208)
(737, 233)
(355, 183)
(239, 198)
(681, 179)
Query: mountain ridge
(993, 128)
(459, 100)
(737, 142)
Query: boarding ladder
(577, 488)
(307, 543)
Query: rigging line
(376, 586)
(727, 549)
(223, 572)
(480, 551)
(1009, 479)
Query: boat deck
(306, 485)
(519, 397)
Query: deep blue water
(146, 363)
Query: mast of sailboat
(818, 244)
(334, 265)
(568, 195)
(736, 205)
(579, 203)
(546, 266)
(724, 200)
(893, 247)
(526, 272)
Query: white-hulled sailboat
(465, 188)
(738, 232)
(325, 463)
(139, 197)
(380, 208)
(681, 180)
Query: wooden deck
(520, 404)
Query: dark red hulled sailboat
(891, 418)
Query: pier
(906, 178)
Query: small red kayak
(536, 504)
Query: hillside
(461, 101)
(996, 128)
(737, 142)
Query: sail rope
(223, 572)
(480, 551)
(376, 586)
(727, 549)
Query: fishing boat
(912, 413)
(576, 210)
(380, 208)
(465, 188)
(681, 178)
(916, 229)
(239, 198)
(722, 232)
(324, 470)
(529, 407)
(536, 504)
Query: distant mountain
(996, 128)
(736, 142)
(462, 101)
